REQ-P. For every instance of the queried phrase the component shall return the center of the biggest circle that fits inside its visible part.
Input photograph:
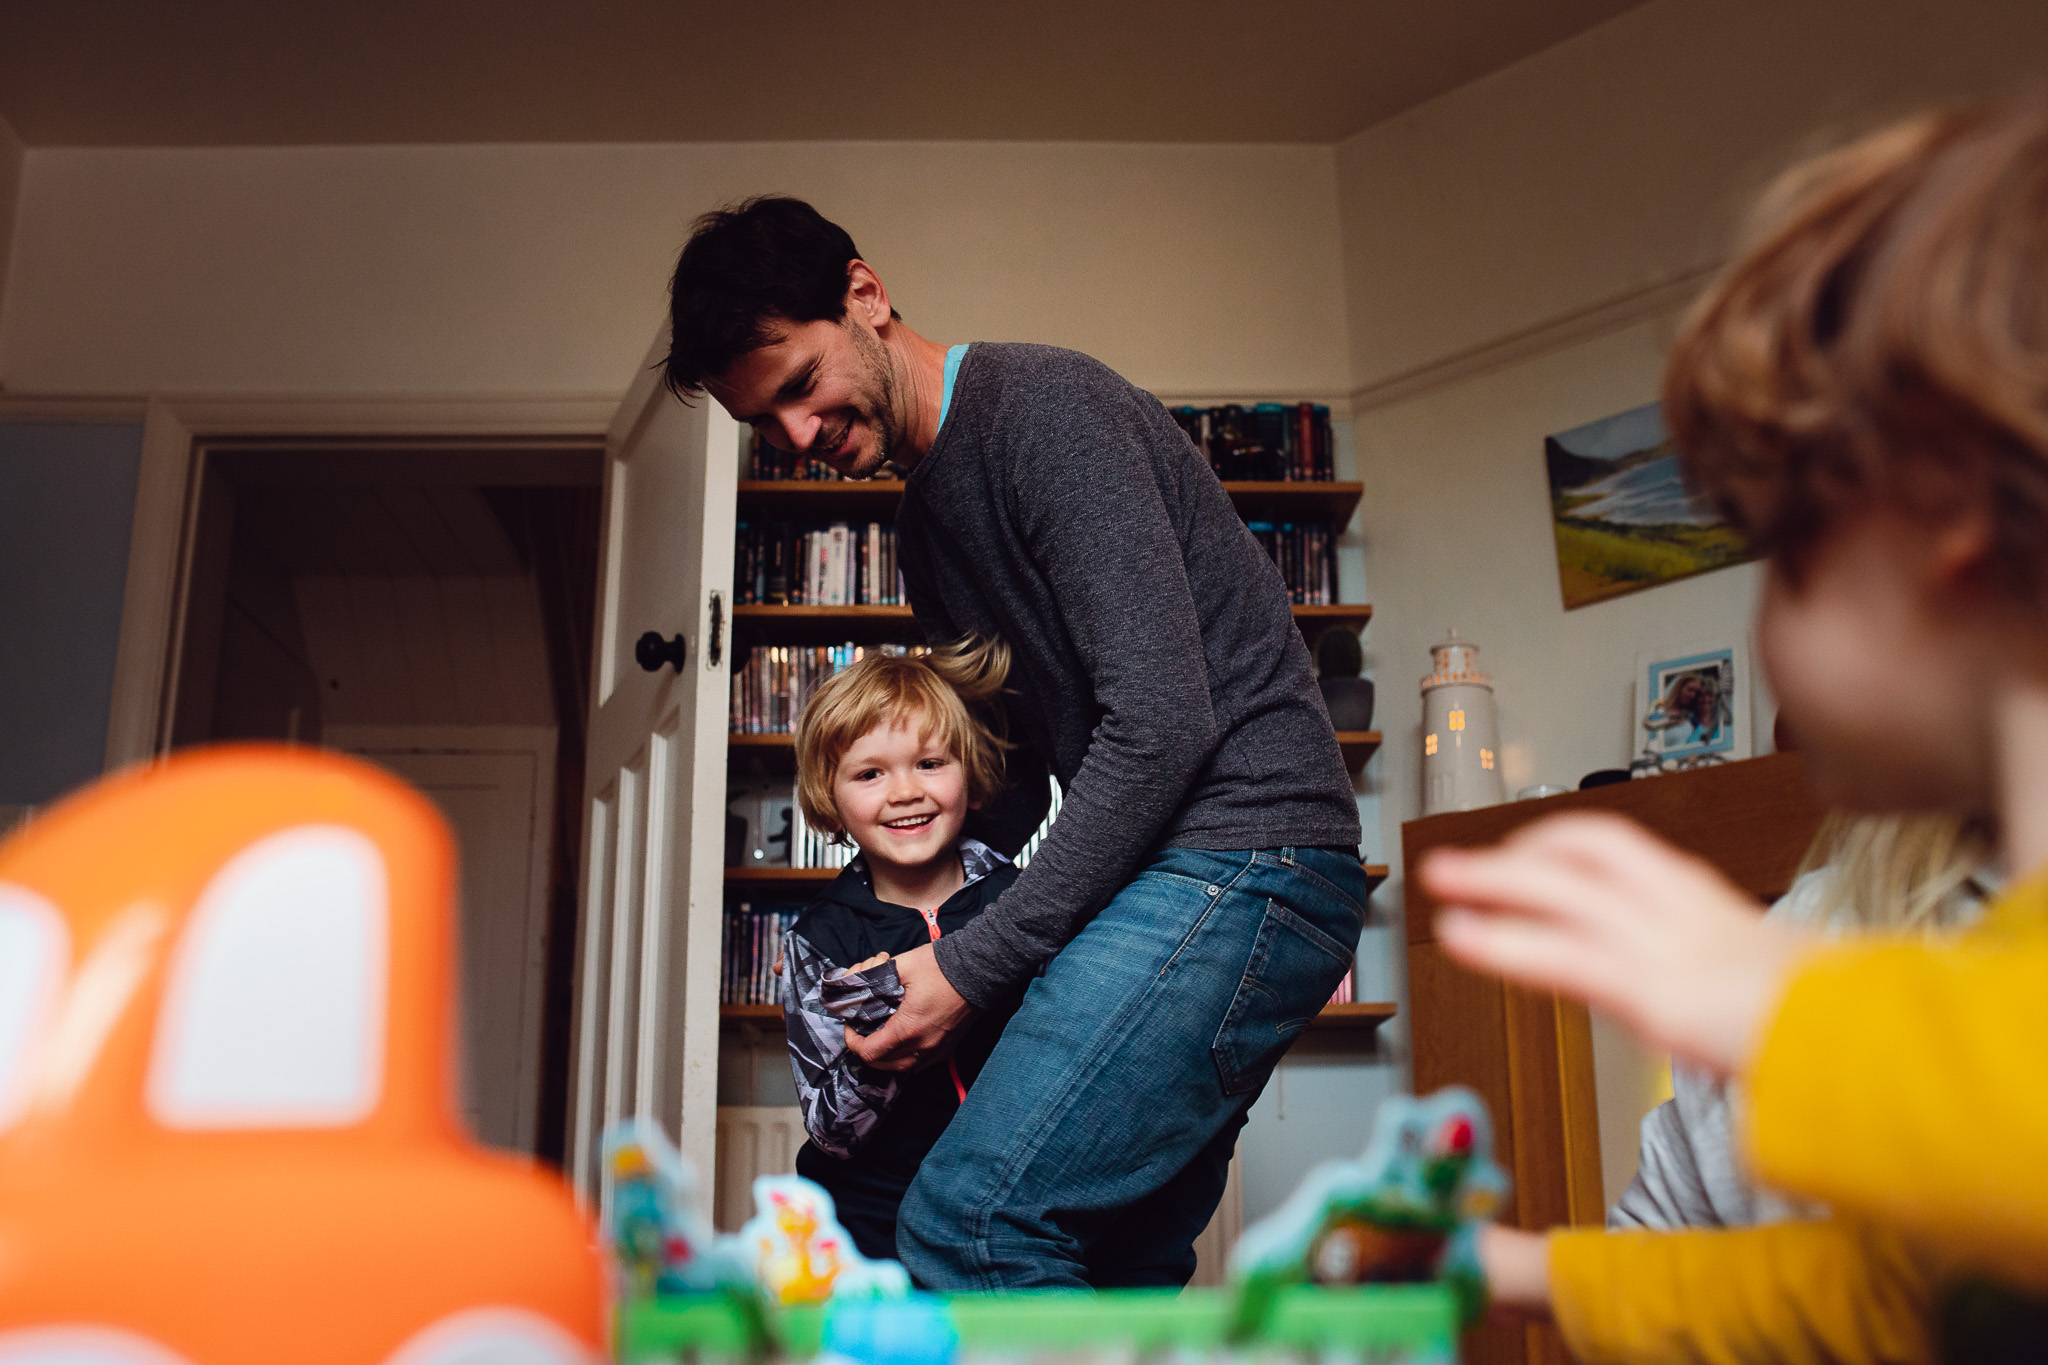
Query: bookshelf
(1357, 1017)
(780, 750)
(818, 502)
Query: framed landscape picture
(1620, 512)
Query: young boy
(890, 754)
(1866, 392)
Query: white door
(654, 834)
(496, 787)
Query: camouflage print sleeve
(842, 1097)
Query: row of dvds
(770, 689)
(1307, 557)
(750, 960)
(829, 566)
(1267, 442)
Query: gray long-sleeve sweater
(1156, 664)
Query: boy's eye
(867, 774)
(930, 763)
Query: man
(1200, 896)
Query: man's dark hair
(745, 268)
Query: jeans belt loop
(1287, 855)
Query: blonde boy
(891, 755)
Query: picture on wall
(1621, 515)
(1692, 705)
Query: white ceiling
(277, 72)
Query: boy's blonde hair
(948, 691)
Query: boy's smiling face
(903, 798)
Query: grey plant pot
(1349, 700)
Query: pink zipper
(931, 924)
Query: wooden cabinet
(1528, 1053)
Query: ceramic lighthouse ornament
(1460, 733)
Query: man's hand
(924, 1028)
(1595, 907)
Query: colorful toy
(798, 1253)
(658, 1232)
(228, 1126)
(1406, 1211)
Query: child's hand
(1517, 1266)
(1595, 907)
(877, 960)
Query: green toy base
(1395, 1324)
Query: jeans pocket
(1293, 968)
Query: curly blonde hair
(949, 692)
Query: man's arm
(1097, 529)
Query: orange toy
(228, 1130)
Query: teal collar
(954, 355)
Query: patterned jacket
(845, 1102)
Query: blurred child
(1865, 392)
(891, 754)
(1921, 873)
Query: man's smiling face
(822, 389)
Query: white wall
(1619, 159)
(11, 153)
(1516, 252)
(544, 269)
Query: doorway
(429, 607)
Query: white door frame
(175, 431)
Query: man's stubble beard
(880, 396)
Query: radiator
(761, 1139)
(753, 1139)
(1212, 1248)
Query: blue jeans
(1093, 1148)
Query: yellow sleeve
(1909, 1084)
(1792, 1293)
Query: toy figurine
(1406, 1211)
(658, 1233)
(800, 1254)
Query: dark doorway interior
(431, 608)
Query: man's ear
(866, 297)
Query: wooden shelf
(1347, 614)
(1358, 746)
(1296, 500)
(1361, 1017)
(778, 876)
(1375, 873)
(756, 612)
(876, 499)
(756, 623)
(822, 500)
(1364, 1016)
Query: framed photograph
(1621, 515)
(1692, 705)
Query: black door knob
(652, 652)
